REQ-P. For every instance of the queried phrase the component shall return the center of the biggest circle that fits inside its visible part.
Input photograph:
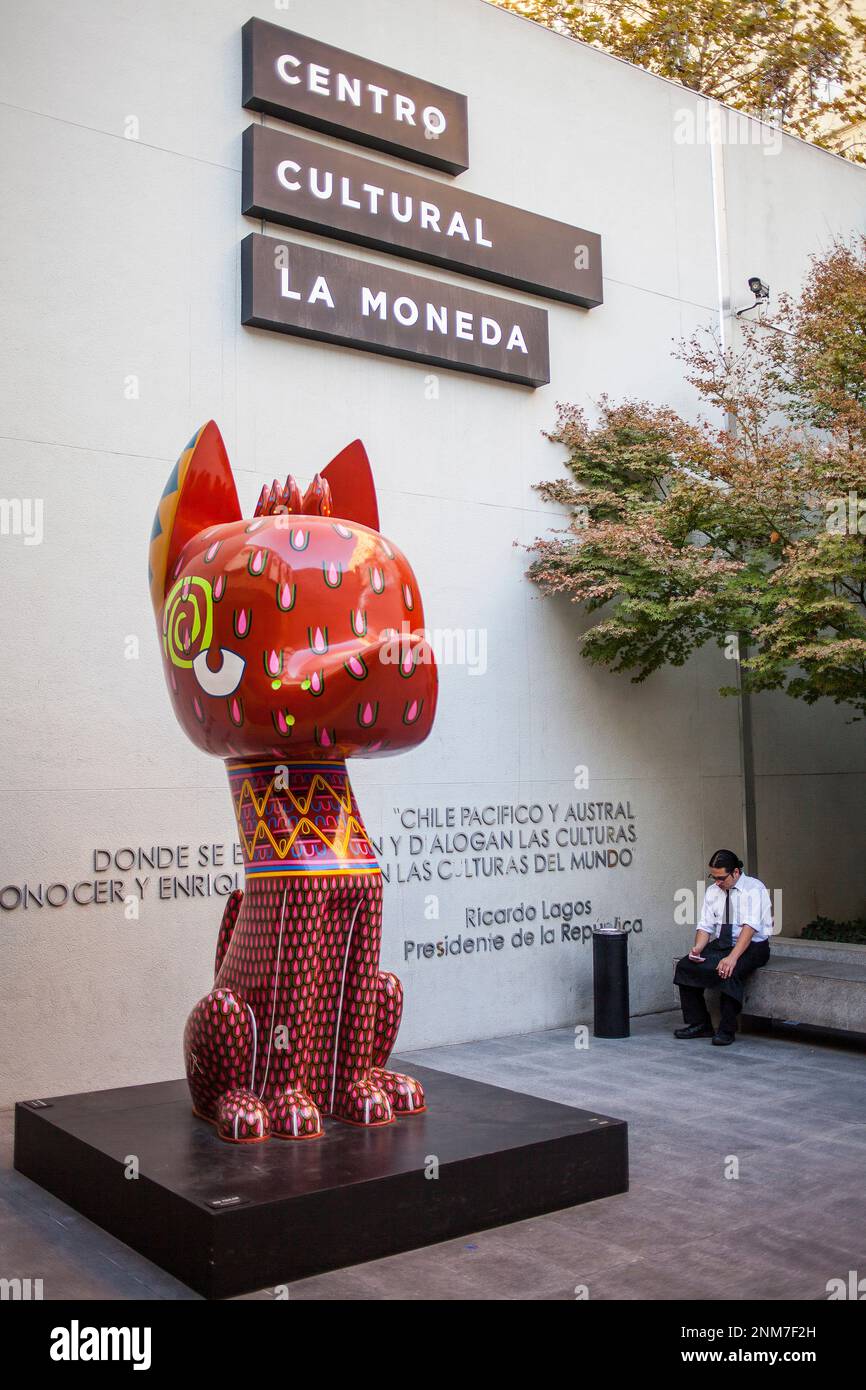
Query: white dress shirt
(750, 907)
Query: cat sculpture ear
(353, 491)
(200, 492)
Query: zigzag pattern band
(298, 818)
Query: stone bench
(820, 983)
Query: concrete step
(798, 948)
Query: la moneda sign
(313, 294)
(335, 192)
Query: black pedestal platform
(227, 1219)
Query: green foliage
(682, 533)
(825, 929)
(801, 65)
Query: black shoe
(695, 1030)
(722, 1039)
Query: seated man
(732, 940)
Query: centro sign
(313, 84)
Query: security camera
(758, 288)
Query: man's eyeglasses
(720, 878)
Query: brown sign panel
(314, 294)
(313, 84)
(336, 193)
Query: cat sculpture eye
(226, 680)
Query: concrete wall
(123, 260)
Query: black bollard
(610, 982)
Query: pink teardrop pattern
(368, 714)
(286, 595)
(356, 667)
(283, 722)
(412, 711)
(408, 654)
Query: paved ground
(792, 1113)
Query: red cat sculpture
(292, 641)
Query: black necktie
(726, 936)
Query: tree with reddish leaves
(749, 522)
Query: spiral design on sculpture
(187, 620)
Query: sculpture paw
(241, 1118)
(295, 1116)
(363, 1103)
(404, 1092)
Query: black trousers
(694, 1006)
